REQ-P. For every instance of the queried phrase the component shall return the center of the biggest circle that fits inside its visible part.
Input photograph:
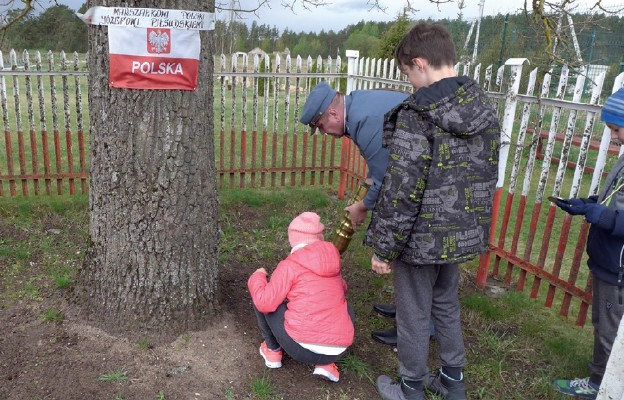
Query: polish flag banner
(153, 58)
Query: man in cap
(360, 116)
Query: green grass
(63, 277)
(43, 242)
(357, 366)
(144, 344)
(261, 388)
(261, 239)
(515, 339)
(53, 315)
(119, 375)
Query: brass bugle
(345, 230)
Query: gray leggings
(272, 330)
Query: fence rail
(551, 144)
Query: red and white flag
(153, 58)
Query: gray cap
(319, 99)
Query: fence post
(511, 103)
(352, 58)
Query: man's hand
(379, 266)
(357, 213)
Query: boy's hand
(573, 206)
(595, 213)
(379, 266)
(261, 270)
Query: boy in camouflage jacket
(434, 208)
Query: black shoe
(386, 336)
(442, 385)
(387, 310)
(390, 390)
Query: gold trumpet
(344, 233)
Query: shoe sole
(579, 395)
(270, 364)
(325, 375)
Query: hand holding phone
(554, 199)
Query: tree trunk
(151, 269)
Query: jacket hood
(459, 109)
(320, 257)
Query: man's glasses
(316, 119)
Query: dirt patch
(70, 359)
(67, 360)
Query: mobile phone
(554, 198)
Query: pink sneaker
(272, 359)
(329, 372)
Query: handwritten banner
(149, 18)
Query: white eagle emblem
(158, 41)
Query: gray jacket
(435, 204)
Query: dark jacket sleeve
(612, 221)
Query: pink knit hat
(306, 228)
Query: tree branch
(10, 4)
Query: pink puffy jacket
(310, 280)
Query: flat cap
(319, 99)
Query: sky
(340, 13)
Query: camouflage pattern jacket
(435, 204)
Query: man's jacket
(365, 111)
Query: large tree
(151, 268)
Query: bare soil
(67, 360)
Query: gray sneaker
(391, 390)
(446, 387)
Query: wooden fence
(36, 87)
(259, 142)
(533, 245)
(276, 151)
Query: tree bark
(151, 269)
